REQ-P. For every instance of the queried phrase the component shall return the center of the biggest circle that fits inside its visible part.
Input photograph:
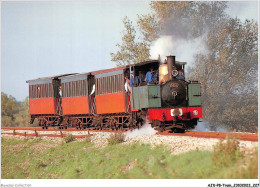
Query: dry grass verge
(116, 138)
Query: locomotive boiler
(100, 99)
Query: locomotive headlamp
(195, 112)
(176, 112)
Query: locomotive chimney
(171, 64)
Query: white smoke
(183, 49)
(146, 129)
(205, 126)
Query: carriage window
(40, 91)
(74, 88)
(109, 84)
(80, 88)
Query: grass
(80, 160)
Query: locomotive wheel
(178, 130)
(78, 126)
(161, 129)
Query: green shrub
(226, 153)
(69, 138)
(87, 139)
(116, 138)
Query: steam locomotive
(100, 99)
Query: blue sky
(49, 38)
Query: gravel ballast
(176, 144)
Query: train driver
(150, 75)
(134, 80)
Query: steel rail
(220, 135)
(38, 129)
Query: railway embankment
(140, 156)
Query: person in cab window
(134, 80)
(127, 84)
(150, 76)
(60, 92)
(180, 75)
(38, 92)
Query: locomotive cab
(141, 70)
(146, 94)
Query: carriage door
(92, 94)
(57, 97)
(128, 93)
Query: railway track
(240, 136)
(36, 130)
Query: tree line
(14, 113)
(227, 71)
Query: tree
(22, 118)
(149, 27)
(179, 18)
(14, 113)
(130, 51)
(9, 108)
(228, 74)
(188, 19)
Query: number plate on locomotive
(174, 85)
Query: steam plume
(182, 48)
(146, 129)
(205, 126)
